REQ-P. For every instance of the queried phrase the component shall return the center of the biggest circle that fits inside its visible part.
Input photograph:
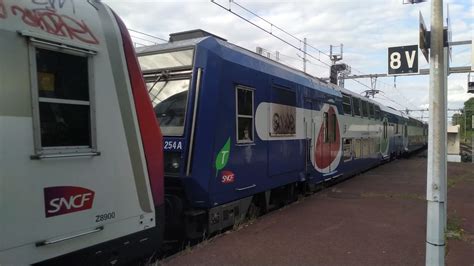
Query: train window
(245, 114)
(62, 100)
(346, 104)
(385, 129)
(371, 110)
(356, 102)
(377, 112)
(283, 112)
(406, 131)
(365, 148)
(326, 126)
(347, 149)
(174, 59)
(396, 128)
(365, 108)
(333, 127)
(169, 98)
(357, 149)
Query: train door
(310, 134)
(325, 148)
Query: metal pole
(465, 124)
(472, 137)
(304, 55)
(436, 176)
(445, 111)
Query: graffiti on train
(46, 17)
(3, 10)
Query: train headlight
(175, 164)
(172, 162)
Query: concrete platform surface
(376, 218)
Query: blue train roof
(244, 57)
(239, 55)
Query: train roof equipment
(233, 53)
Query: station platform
(375, 218)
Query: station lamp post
(436, 195)
(436, 191)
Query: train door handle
(245, 188)
(54, 241)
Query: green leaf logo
(223, 156)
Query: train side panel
(256, 131)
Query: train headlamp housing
(172, 163)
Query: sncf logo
(63, 200)
(227, 177)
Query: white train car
(80, 148)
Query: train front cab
(175, 74)
(81, 173)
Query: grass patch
(452, 181)
(454, 229)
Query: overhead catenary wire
(282, 55)
(143, 39)
(270, 31)
(277, 27)
(385, 98)
(149, 35)
(381, 96)
(141, 44)
(404, 98)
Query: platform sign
(403, 60)
(449, 35)
(424, 39)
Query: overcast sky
(366, 28)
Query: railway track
(466, 152)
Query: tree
(464, 119)
(457, 119)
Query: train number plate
(173, 145)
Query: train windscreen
(169, 98)
(168, 75)
(166, 60)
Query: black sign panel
(424, 39)
(403, 60)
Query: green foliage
(464, 119)
(454, 229)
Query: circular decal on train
(327, 151)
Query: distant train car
(243, 133)
(417, 134)
(81, 155)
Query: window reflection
(169, 100)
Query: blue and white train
(243, 133)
